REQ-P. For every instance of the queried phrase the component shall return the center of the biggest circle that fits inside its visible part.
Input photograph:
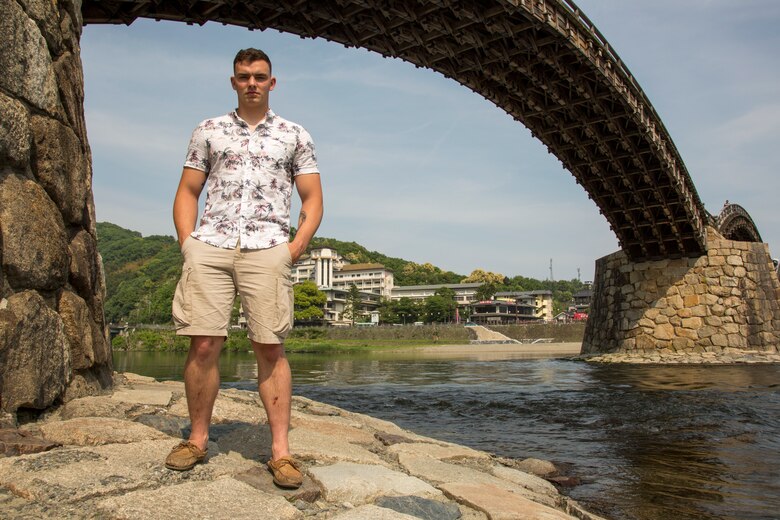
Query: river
(647, 442)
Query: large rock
(223, 498)
(70, 79)
(34, 352)
(360, 483)
(15, 135)
(78, 328)
(35, 252)
(47, 18)
(84, 273)
(25, 60)
(93, 431)
(73, 475)
(61, 167)
(500, 504)
(374, 513)
(311, 444)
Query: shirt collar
(269, 118)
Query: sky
(416, 166)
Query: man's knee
(268, 352)
(204, 349)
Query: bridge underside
(541, 61)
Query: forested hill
(142, 272)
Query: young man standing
(251, 159)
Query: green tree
(352, 304)
(309, 302)
(486, 291)
(408, 310)
(439, 309)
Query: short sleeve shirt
(250, 178)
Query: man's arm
(185, 205)
(310, 191)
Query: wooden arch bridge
(541, 61)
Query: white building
(371, 278)
(464, 292)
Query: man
(251, 159)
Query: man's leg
(275, 386)
(201, 384)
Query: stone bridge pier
(53, 345)
(723, 306)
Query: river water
(647, 442)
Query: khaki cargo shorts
(210, 278)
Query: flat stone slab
(93, 431)
(222, 498)
(154, 395)
(260, 478)
(373, 512)
(20, 442)
(360, 483)
(311, 444)
(94, 406)
(419, 507)
(347, 429)
(500, 504)
(439, 473)
(437, 451)
(70, 475)
(528, 481)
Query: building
(582, 300)
(334, 276)
(500, 312)
(337, 302)
(465, 293)
(318, 266)
(369, 278)
(541, 300)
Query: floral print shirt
(250, 178)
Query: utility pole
(578, 275)
(552, 278)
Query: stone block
(737, 341)
(692, 323)
(36, 366)
(15, 133)
(740, 272)
(418, 508)
(675, 302)
(691, 300)
(438, 451)
(383, 513)
(61, 167)
(684, 313)
(720, 340)
(25, 60)
(35, 254)
(734, 260)
(664, 331)
(94, 431)
(360, 483)
(499, 504)
(19, 442)
(76, 319)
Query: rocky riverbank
(102, 457)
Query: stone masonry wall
(52, 333)
(721, 307)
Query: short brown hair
(251, 55)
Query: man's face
(252, 82)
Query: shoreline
(104, 455)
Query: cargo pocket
(182, 304)
(284, 306)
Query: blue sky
(419, 167)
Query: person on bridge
(249, 160)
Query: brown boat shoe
(286, 472)
(184, 456)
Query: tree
(309, 302)
(439, 309)
(478, 275)
(486, 291)
(352, 304)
